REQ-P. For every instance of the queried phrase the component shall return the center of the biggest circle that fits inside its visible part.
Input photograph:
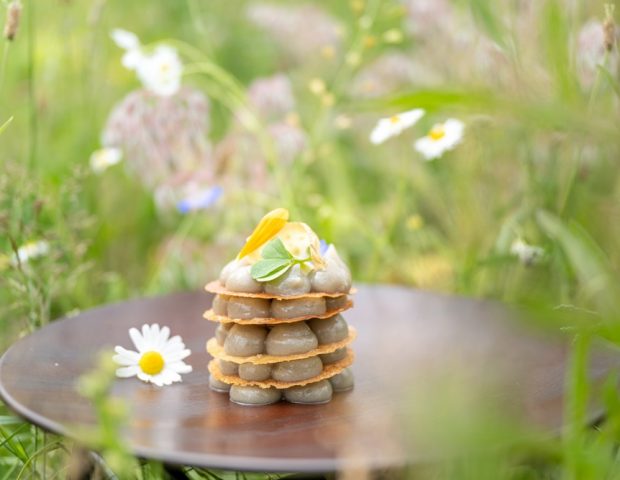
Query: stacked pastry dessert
(280, 335)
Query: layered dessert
(278, 305)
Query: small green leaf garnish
(276, 249)
(270, 269)
(276, 261)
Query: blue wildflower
(323, 246)
(200, 200)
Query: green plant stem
(575, 407)
(32, 101)
(5, 56)
(574, 165)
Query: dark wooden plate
(410, 346)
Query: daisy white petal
(174, 377)
(154, 334)
(137, 339)
(173, 344)
(125, 39)
(441, 138)
(146, 334)
(160, 72)
(164, 333)
(180, 367)
(395, 125)
(173, 347)
(132, 58)
(127, 353)
(124, 360)
(129, 371)
(175, 357)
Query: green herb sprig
(276, 261)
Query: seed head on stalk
(13, 15)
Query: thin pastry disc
(216, 287)
(210, 315)
(328, 372)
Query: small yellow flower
(267, 228)
(357, 6)
(4, 262)
(328, 99)
(414, 222)
(432, 272)
(343, 122)
(292, 119)
(393, 35)
(353, 59)
(317, 86)
(328, 52)
(370, 41)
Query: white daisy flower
(527, 254)
(160, 72)
(104, 158)
(394, 125)
(30, 251)
(159, 359)
(442, 137)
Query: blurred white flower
(426, 17)
(129, 42)
(527, 254)
(159, 71)
(272, 97)
(162, 138)
(591, 51)
(442, 137)
(289, 140)
(125, 39)
(30, 251)
(394, 125)
(102, 159)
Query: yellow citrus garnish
(267, 228)
(151, 363)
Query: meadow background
(277, 105)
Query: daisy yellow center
(394, 119)
(437, 132)
(151, 363)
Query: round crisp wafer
(216, 287)
(217, 351)
(328, 372)
(210, 315)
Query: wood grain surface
(412, 348)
